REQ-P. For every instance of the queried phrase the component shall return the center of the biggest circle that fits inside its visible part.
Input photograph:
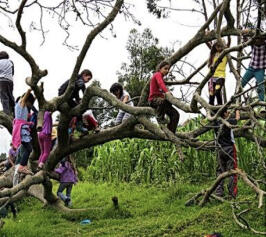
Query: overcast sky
(106, 54)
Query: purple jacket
(67, 174)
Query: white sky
(105, 56)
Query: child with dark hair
(157, 97)
(121, 94)
(68, 177)
(257, 65)
(84, 77)
(45, 139)
(12, 154)
(217, 80)
(21, 133)
(6, 83)
(226, 157)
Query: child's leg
(247, 76)
(173, 115)
(4, 96)
(92, 123)
(221, 166)
(68, 190)
(126, 116)
(211, 89)
(259, 75)
(25, 150)
(60, 190)
(232, 164)
(13, 209)
(41, 144)
(68, 194)
(158, 104)
(218, 91)
(119, 117)
(47, 144)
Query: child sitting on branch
(157, 97)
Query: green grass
(143, 211)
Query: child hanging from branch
(257, 65)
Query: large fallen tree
(39, 185)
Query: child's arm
(237, 115)
(125, 100)
(209, 44)
(24, 98)
(228, 41)
(60, 170)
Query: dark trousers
(12, 208)
(72, 104)
(62, 187)
(6, 96)
(163, 107)
(24, 153)
(227, 160)
(215, 90)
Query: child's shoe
(67, 202)
(40, 166)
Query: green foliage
(156, 162)
(144, 55)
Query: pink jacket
(17, 124)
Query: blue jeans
(24, 153)
(259, 75)
(61, 188)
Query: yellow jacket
(220, 70)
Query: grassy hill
(143, 211)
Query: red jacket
(157, 86)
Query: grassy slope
(144, 211)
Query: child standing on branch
(257, 65)
(216, 82)
(6, 83)
(21, 133)
(157, 96)
(226, 156)
(45, 139)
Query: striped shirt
(6, 70)
(258, 57)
